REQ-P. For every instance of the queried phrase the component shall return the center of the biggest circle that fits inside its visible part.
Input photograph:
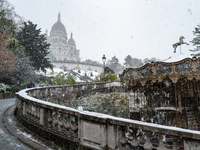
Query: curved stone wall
(94, 130)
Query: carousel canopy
(158, 71)
(176, 57)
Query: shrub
(4, 87)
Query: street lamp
(104, 60)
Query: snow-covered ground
(91, 74)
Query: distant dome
(58, 26)
(71, 41)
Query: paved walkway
(13, 136)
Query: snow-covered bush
(113, 104)
(3, 87)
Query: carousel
(171, 92)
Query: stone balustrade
(65, 125)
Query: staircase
(191, 118)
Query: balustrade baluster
(83, 87)
(123, 139)
(134, 142)
(50, 119)
(75, 127)
(31, 110)
(148, 144)
(38, 112)
(55, 121)
(28, 108)
(175, 142)
(34, 93)
(61, 122)
(35, 111)
(24, 108)
(160, 139)
(68, 125)
(38, 93)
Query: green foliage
(108, 70)
(6, 25)
(17, 87)
(114, 104)
(4, 87)
(35, 44)
(15, 46)
(62, 79)
(96, 79)
(128, 61)
(196, 41)
(89, 61)
(132, 62)
(108, 77)
(71, 80)
(91, 74)
(114, 64)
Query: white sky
(141, 28)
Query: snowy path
(7, 141)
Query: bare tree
(7, 58)
(10, 12)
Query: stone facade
(61, 48)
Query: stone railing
(64, 125)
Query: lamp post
(104, 60)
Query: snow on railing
(96, 130)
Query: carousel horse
(179, 43)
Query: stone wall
(95, 130)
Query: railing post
(112, 132)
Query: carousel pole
(197, 93)
(176, 106)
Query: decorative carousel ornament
(179, 43)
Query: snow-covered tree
(150, 60)
(114, 65)
(23, 70)
(132, 62)
(196, 42)
(6, 24)
(35, 44)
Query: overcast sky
(140, 28)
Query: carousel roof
(176, 57)
(174, 67)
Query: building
(63, 51)
(61, 48)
